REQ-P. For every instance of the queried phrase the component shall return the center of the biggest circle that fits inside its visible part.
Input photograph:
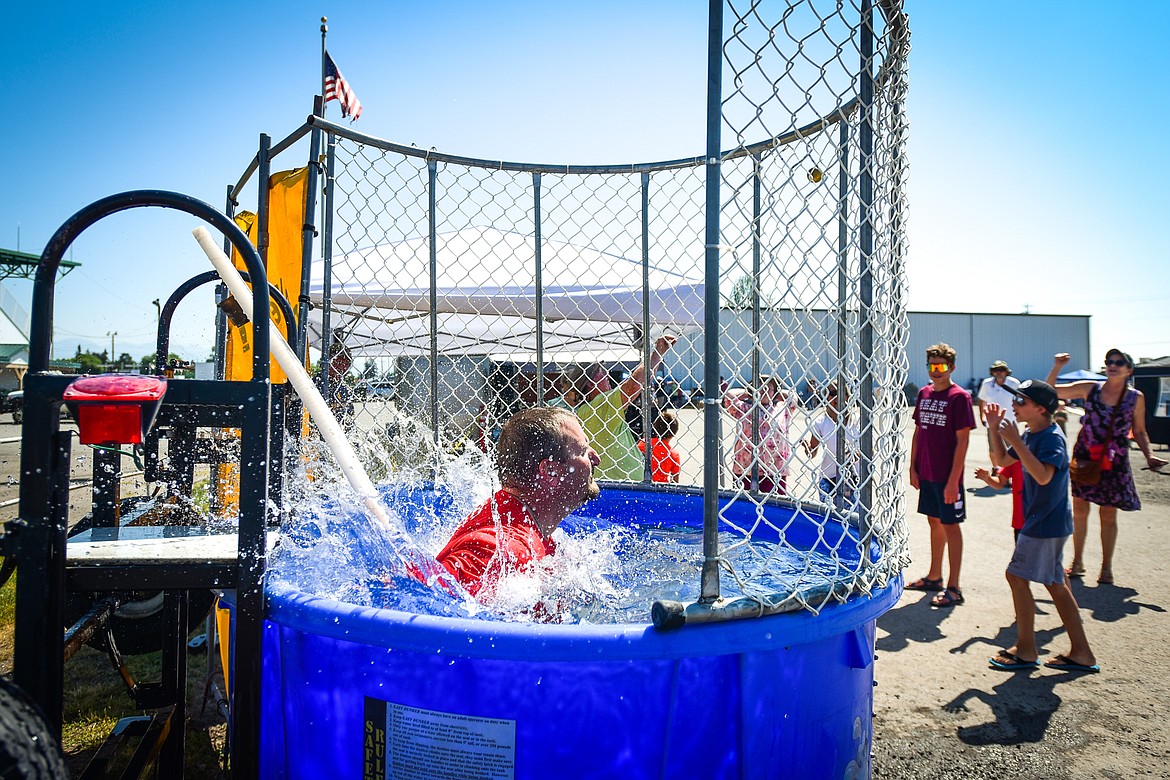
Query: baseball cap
(1125, 355)
(1000, 364)
(1040, 392)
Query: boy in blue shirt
(1043, 453)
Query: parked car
(15, 403)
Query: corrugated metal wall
(1026, 341)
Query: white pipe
(314, 402)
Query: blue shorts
(930, 503)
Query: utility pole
(113, 355)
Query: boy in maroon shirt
(943, 418)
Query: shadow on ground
(1109, 603)
(912, 621)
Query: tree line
(89, 362)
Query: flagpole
(324, 29)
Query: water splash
(603, 572)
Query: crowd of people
(1053, 485)
(549, 459)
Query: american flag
(337, 88)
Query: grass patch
(7, 623)
(96, 699)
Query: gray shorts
(1039, 559)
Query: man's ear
(549, 470)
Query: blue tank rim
(467, 637)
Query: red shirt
(665, 462)
(1015, 474)
(474, 555)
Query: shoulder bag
(1087, 471)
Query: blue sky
(1036, 144)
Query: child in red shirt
(665, 461)
(1013, 475)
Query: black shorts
(930, 503)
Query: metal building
(1026, 342)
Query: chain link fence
(458, 291)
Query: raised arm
(1059, 361)
(1041, 472)
(998, 453)
(634, 383)
(1069, 390)
(734, 401)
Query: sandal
(1076, 570)
(922, 583)
(948, 598)
(1010, 662)
(1105, 577)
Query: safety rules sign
(409, 743)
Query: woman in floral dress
(1112, 409)
(774, 450)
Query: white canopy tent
(486, 298)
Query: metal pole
(756, 240)
(263, 174)
(432, 233)
(221, 294)
(539, 283)
(709, 578)
(276, 425)
(38, 650)
(865, 216)
(324, 29)
(327, 266)
(842, 302)
(647, 379)
(308, 233)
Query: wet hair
(527, 439)
(941, 350)
(665, 425)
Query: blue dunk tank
(356, 691)
(783, 243)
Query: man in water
(545, 465)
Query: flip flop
(1075, 571)
(1066, 664)
(930, 586)
(948, 598)
(1010, 662)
